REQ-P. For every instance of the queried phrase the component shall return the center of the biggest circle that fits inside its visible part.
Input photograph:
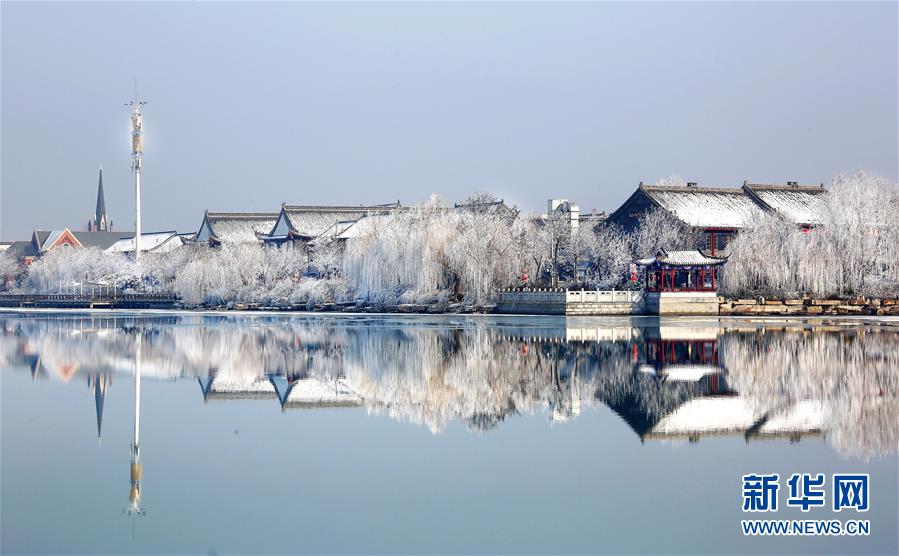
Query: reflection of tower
(137, 151)
(99, 383)
(134, 497)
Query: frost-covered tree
(66, 267)
(10, 271)
(854, 250)
(608, 249)
(658, 229)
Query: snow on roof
(688, 373)
(337, 229)
(687, 332)
(702, 207)
(692, 257)
(148, 242)
(312, 392)
(804, 416)
(704, 415)
(365, 225)
(240, 227)
(240, 387)
(798, 204)
(312, 221)
(51, 238)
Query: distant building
(592, 219)
(152, 242)
(567, 208)
(235, 227)
(303, 223)
(100, 221)
(44, 241)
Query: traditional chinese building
(799, 204)
(235, 227)
(714, 215)
(303, 223)
(681, 282)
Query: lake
(305, 433)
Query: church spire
(101, 220)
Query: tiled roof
(314, 220)
(693, 257)
(706, 207)
(799, 204)
(101, 240)
(148, 242)
(240, 227)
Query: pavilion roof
(686, 257)
(691, 257)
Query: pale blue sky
(255, 104)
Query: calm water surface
(310, 433)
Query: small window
(723, 241)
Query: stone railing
(595, 296)
(557, 301)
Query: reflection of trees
(843, 381)
(852, 372)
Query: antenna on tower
(137, 151)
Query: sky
(252, 105)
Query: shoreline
(770, 318)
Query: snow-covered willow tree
(67, 266)
(854, 250)
(401, 255)
(658, 229)
(608, 250)
(245, 272)
(432, 252)
(486, 252)
(10, 271)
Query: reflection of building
(667, 379)
(307, 392)
(679, 390)
(235, 386)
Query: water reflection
(666, 380)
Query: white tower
(137, 151)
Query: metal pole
(137, 213)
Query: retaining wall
(809, 306)
(561, 302)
